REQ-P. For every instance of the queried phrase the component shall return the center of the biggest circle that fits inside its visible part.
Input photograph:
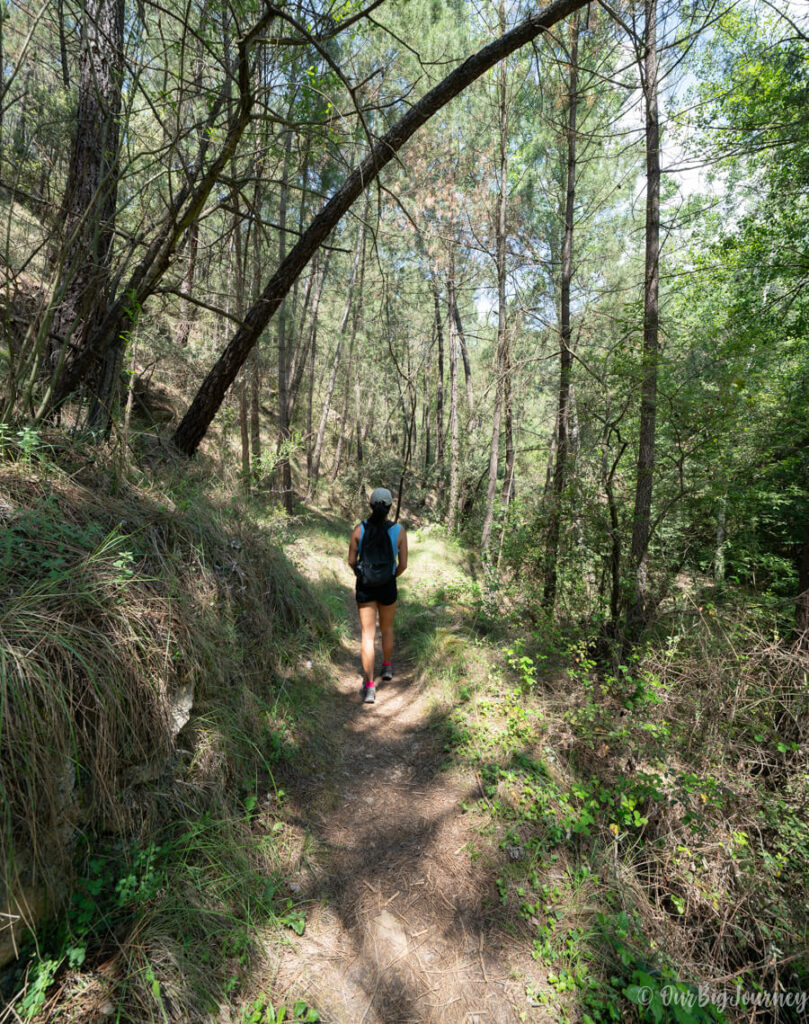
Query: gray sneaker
(370, 694)
(387, 672)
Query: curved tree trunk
(209, 397)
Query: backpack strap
(393, 532)
(363, 524)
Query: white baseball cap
(381, 494)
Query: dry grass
(736, 701)
(150, 639)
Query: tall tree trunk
(284, 464)
(301, 355)
(502, 327)
(721, 538)
(405, 416)
(3, 17)
(335, 366)
(310, 396)
(19, 142)
(637, 604)
(608, 473)
(62, 43)
(508, 411)
(509, 481)
(212, 390)
(467, 368)
(439, 388)
(551, 462)
(88, 209)
(255, 415)
(314, 472)
(244, 435)
(455, 441)
(565, 350)
(341, 435)
(355, 323)
(187, 308)
(358, 411)
(408, 452)
(254, 239)
(297, 349)
(249, 427)
(428, 376)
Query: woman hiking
(377, 554)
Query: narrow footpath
(400, 919)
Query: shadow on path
(401, 921)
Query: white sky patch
(485, 302)
(684, 167)
(690, 173)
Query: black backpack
(375, 558)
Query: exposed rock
(181, 704)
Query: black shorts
(383, 594)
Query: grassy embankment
(154, 640)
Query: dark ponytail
(380, 512)
(375, 524)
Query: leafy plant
(293, 918)
(261, 1011)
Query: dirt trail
(398, 929)
(400, 920)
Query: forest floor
(395, 874)
(512, 832)
(302, 853)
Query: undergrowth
(158, 681)
(650, 822)
(644, 829)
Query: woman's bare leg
(368, 624)
(386, 613)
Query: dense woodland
(538, 269)
(538, 314)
